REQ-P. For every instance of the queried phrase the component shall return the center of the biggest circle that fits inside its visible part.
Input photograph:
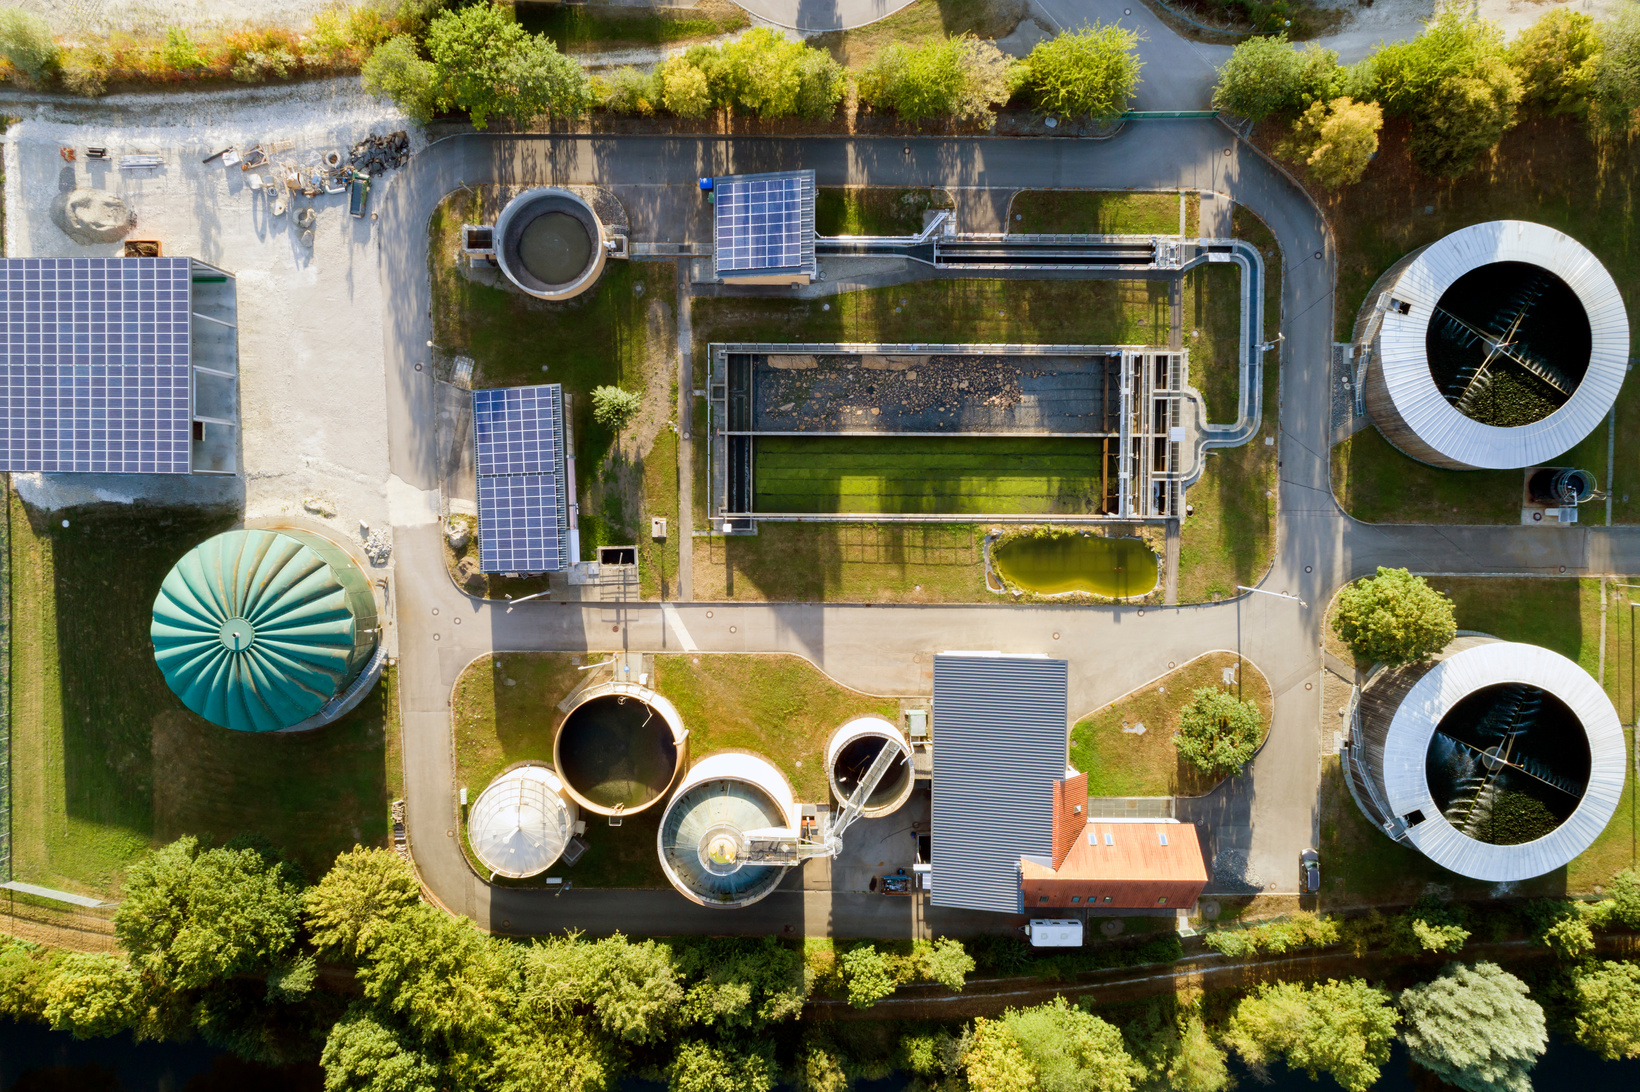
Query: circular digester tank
(1499, 761)
(849, 756)
(266, 631)
(550, 243)
(521, 822)
(619, 749)
(702, 840)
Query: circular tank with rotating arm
(710, 833)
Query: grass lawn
(1102, 212)
(1230, 537)
(621, 332)
(107, 762)
(874, 210)
(780, 706)
(1376, 483)
(937, 474)
(923, 20)
(585, 29)
(1545, 170)
(845, 563)
(1559, 614)
(1123, 763)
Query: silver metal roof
(1406, 364)
(1001, 739)
(521, 823)
(1448, 682)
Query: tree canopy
(1476, 1028)
(993, 1060)
(1606, 998)
(633, 989)
(1556, 59)
(193, 916)
(701, 1066)
(92, 995)
(1266, 75)
(488, 65)
(1394, 618)
(868, 974)
(1615, 73)
(365, 1054)
(438, 973)
(1091, 72)
(1072, 1050)
(1340, 1028)
(615, 408)
(364, 891)
(962, 78)
(1335, 140)
(1218, 732)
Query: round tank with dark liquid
(549, 243)
(619, 749)
(849, 757)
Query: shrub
(180, 53)
(1467, 116)
(1267, 76)
(765, 73)
(632, 91)
(684, 88)
(1556, 59)
(1394, 618)
(1088, 72)
(1218, 732)
(1302, 930)
(615, 408)
(1606, 1002)
(85, 69)
(961, 78)
(944, 961)
(1335, 140)
(1616, 74)
(868, 974)
(254, 66)
(26, 43)
(1476, 1028)
(397, 71)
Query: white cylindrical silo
(520, 824)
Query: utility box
(1054, 933)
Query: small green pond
(1113, 567)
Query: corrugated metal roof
(1402, 341)
(1000, 740)
(1406, 746)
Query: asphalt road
(1269, 811)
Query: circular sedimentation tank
(1499, 761)
(1499, 346)
(849, 757)
(265, 630)
(550, 243)
(521, 822)
(619, 749)
(702, 840)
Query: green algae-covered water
(1112, 567)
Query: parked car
(1310, 862)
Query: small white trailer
(1054, 933)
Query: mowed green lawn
(106, 762)
(947, 475)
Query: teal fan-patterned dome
(259, 630)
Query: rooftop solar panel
(94, 361)
(523, 511)
(759, 223)
(516, 429)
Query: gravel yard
(313, 404)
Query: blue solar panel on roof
(94, 358)
(759, 224)
(518, 454)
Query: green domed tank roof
(258, 630)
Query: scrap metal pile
(377, 154)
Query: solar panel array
(94, 365)
(759, 223)
(523, 512)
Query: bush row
(1457, 82)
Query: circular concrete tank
(702, 838)
(521, 822)
(849, 755)
(550, 243)
(619, 749)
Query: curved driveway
(884, 649)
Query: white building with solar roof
(763, 228)
(118, 366)
(526, 481)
